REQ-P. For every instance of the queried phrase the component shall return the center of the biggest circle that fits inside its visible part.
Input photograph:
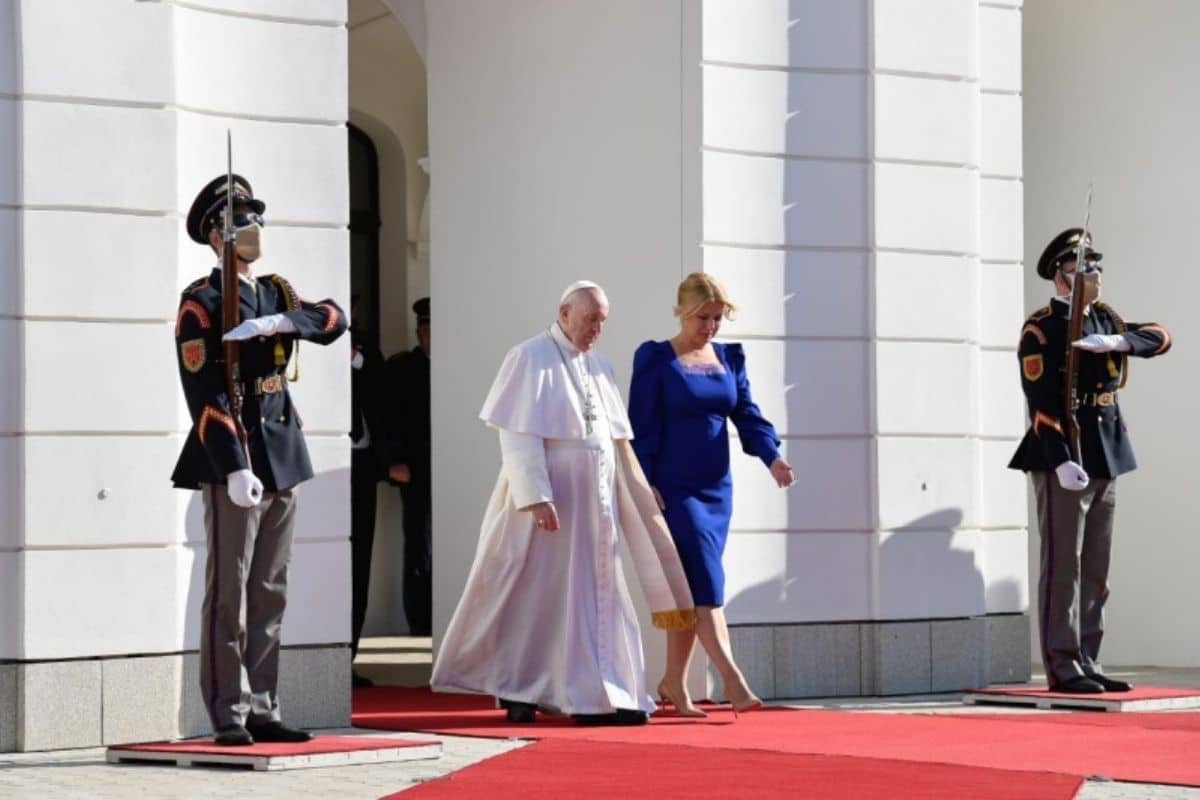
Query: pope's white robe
(546, 617)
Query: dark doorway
(364, 235)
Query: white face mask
(249, 242)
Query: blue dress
(680, 423)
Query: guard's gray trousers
(1076, 532)
(245, 591)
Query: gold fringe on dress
(679, 619)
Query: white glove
(1102, 343)
(244, 488)
(260, 326)
(1071, 476)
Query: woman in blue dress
(683, 392)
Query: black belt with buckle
(271, 384)
(1101, 399)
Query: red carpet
(560, 768)
(1128, 748)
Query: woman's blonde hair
(697, 289)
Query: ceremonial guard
(245, 466)
(1076, 446)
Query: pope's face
(582, 318)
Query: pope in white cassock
(545, 620)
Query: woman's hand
(658, 499)
(545, 517)
(781, 471)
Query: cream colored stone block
(324, 506)
(11, 363)
(1002, 304)
(322, 395)
(926, 208)
(318, 594)
(797, 577)
(52, 394)
(930, 36)
(72, 275)
(810, 387)
(10, 138)
(770, 111)
(11, 602)
(772, 201)
(327, 12)
(300, 70)
(792, 292)
(101, 169)
(10, 266)
(59, 705)
(1000, 48)
(923, 119)
(1005, 563)
(925, 387)
(795, 33)
(101, 49)
(927, 482)
(136, 586)
(1002, 232)
(825, 468)
(1004, 490)
(267, 153)
(1001, 401)
(9, 69)
(1001, 135)
(919, 296)
(929, 574)
(113, 494)
(11, 481)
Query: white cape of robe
(546, 618)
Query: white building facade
(850, 169)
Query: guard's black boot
(1080, 684)
(275, 731)
(1110, 684)
(233, 736)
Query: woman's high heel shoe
(751, 702)
(685, 709)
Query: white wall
(119, 118)
(862, 201)
(1110, 90)
(556, 138)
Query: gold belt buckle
(1106, 399)
(272, 384)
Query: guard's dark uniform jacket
(408, 380)
(1104, 442)
(277, 449)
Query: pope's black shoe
(516, 711)
(275, 731)
(622, 716)
(1110, 684)
(233, 736)
(1080, 684)
(360, 681)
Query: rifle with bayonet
(1085, 288)
(230, 312)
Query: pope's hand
(244, 488)
(781, 471)
(1071, 476)
(545, 518)
(260, 326)
(1102, 343)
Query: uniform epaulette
(196, 285)
(290, 297)
(1041, 313)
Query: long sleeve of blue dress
(757, 434)
(645, 406)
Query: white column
(847, 206)
(118, 113)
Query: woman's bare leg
(714, 637)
